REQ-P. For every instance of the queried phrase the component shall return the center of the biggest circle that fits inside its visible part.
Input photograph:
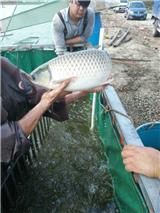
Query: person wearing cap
(72, 26)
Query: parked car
(136, 10)
(156, 17)
(120, 8)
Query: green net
(128, 196)
(29, 60)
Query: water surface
(71, 174)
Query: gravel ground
(137, 75)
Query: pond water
(71, 174)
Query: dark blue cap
(84, 3)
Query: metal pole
(101, 37)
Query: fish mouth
(42, 75)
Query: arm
(14, 134)
(58, 35)
(30, 120)
(76, 95)
(88, 30)
(75, 40)
(13, 141)
(90, 25)
(58, 109)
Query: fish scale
(91, 68)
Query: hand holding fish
(76, 95)
(30, 120)
(97, 89)
(102, 87)
(52, 95)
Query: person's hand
(97, 89)
(101, 87)
(78, 94)
(142, 160)
(52, 95)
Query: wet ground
(71, 173)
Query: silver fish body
(90, 68)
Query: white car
(120, 8)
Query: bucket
(150, 134)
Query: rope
(114, 110)
(9, 22)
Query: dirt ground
(137, 78)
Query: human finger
(53, 94)
(97, 89)
(126, 153)
(108, 82)
(102, 86)
(130, 168)
(129, 159)
(61, 87)
(64, 84)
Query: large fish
(91, 68)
